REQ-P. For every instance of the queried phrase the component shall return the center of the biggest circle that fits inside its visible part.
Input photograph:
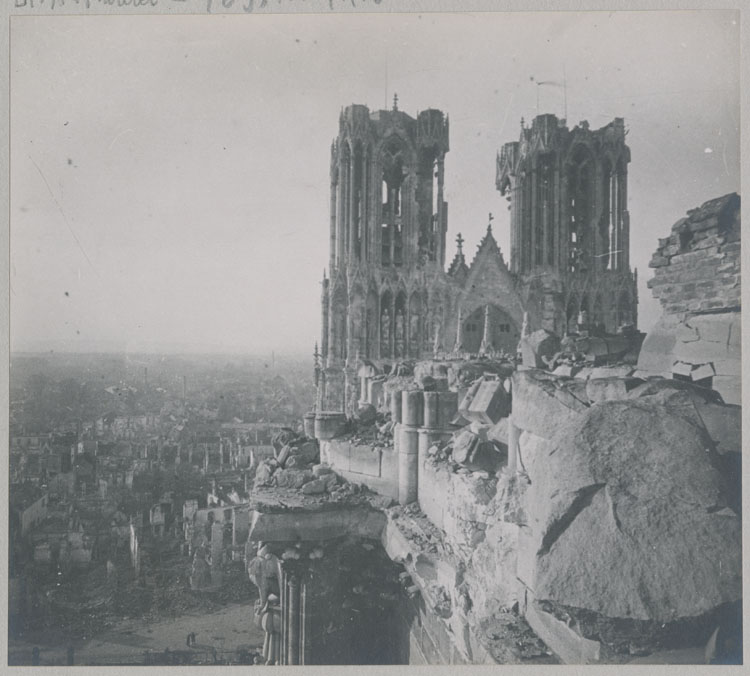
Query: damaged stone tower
(387, 243)
(569, 224)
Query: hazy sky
(169, 175)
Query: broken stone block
(499, 431)
(464, 445)
(381, 501)
(539, 344)
(468, 396)
(490, 403)
(283, 455)
(628, 477)
(680, 368)
(473, 454)
(320, 470)
(292, 478)
(540, 405)
(283, 437)
(314, 487)
(331, 481)
(702, 371)
(263, 473)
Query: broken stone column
(328, 424)
(396, 406)
(309, 424)
(374, 391)
(431, 409)
(408, 453)
(412, 403)
(489, 403)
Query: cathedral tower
(570, 225)
(388, 221)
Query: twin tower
(388, 296)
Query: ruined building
(570, 227)
(527, 489)
(389, 298)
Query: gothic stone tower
(569, 223)
(387, 244)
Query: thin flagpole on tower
(385, 99)
(565, 91)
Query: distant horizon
(194, 351)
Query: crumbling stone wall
(697, 280)
(697, 268)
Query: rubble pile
(295, 464)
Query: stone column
(396, 406)
(412, 416)
(304, 650)
(431, 400)
(293, 642)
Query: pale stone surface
(712, 340)
(490, 403)
(628, 501)
(364, 459)
(541, 405)
(603, 389)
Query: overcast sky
(169, 175)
